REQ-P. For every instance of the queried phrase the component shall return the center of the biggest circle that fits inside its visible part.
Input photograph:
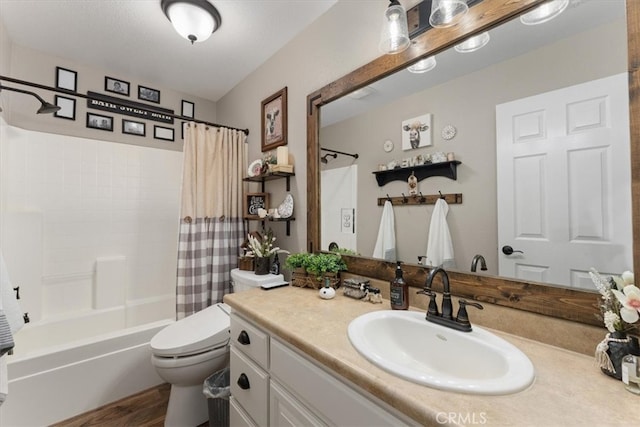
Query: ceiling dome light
(422, 66)
(195, 20)
(545, 12)
(395, 33)
(445, 13)
(473, 43)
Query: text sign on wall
(99, 101)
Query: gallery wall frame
(188, 109)
(100, 122)
(118, 86)
(131, 127)
(163, 133)
(66, 79)
(67, 107)
(148, 94)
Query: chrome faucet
(474, 263)
(445, 318)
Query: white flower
(610, 320)
(630, 300)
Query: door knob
(508, 250)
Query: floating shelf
(270, 177)
(446, 169)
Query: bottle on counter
(275, 267)
(399, 292)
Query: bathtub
(51, 384)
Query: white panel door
(339, 197)
(564, 192)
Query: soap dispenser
(399, 291)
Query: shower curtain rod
(355, 156)
(81, 95)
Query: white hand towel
(439, 244)
(386, 244)
(8, 300)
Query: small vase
(263, 265)
(610, 352)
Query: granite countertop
(569, 389)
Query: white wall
(68, 201)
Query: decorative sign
(253, 202)
(103, 102)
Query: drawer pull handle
(243, 382)
(243, 338)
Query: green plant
(322, 263)
(344, 251)
(299, 260)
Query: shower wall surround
(89, 224)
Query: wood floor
(145, 409)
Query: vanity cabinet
(274, 384)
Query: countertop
(569, 389)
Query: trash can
(217, 390)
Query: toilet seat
(200, 332)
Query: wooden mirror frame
(560, 302)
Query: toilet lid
(199, 332)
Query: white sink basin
(405, 344)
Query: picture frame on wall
(66, 79)
(148, 94)
(274, 120)
(164, 133)
(416, 132)
(116, 86)
(131, 127)
(188, 109)
(98, 121)
(67, 107)
(253, 202)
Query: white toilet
(186, 352)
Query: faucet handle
(462, 316)
(432, 310)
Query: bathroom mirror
(519, 61)
(532, 296)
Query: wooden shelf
(270, 177)
(446, 169)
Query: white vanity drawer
(338, 403)
(237, 416)
(250, 340)
(250, 387)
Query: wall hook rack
(431, 199)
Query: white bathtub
(51, 384)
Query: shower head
(324, 159)
(45, 107)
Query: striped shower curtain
(211, 225)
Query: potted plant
(298, 262)
(326, 266)
(262, 247)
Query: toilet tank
(243, 280)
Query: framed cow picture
(416, 132)
(274, 120)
